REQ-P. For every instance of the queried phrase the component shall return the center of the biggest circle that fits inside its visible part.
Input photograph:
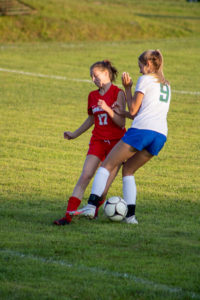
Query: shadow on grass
(167, 17)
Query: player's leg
(89, 168)
(129, 186)
(151, 142)
(108, 145)
(111, 178)
(120, 153)
(135, 162)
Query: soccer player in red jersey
(109, 128)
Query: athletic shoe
(61, 222)
(87, 211)
(131, 220)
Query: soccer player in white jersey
(148, 107)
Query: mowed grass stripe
(98, 271)
(77, 79)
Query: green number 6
(164, 92)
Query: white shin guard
(100, 181)
(129, 190)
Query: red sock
(73, 204)
(97, 209)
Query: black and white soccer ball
(115, 208)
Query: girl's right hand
(126, 80)
(68, 135)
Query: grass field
(44, 88)
(88, 20)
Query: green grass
(40, 168)
(87, 20)
(159, 258)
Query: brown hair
(155, 56)
(106, 65)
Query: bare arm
(124, 113)
(134, 102)
(117, 118)
(84, 127)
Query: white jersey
(152, 114)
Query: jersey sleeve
(116, 92)
(89, 105)
(141, 85)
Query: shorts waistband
(107, 141)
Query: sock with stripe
(129, 194)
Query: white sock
(129, 190)
(100, 181)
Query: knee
(108, 166)
(126, 171)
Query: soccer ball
(115, 208)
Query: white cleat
(131, 220)
(87, 211)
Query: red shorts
(101, 148)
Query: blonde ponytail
(155, 56)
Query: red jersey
(104, 127)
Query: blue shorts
(141, 139)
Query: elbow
(132, 113)
(122, 125)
